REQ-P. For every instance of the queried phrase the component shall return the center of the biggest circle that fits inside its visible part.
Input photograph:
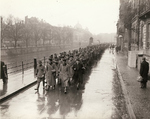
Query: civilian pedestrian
(144, 69)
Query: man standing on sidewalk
(144, 69)
(3, 72)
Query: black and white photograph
(74, 59)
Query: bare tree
(13, 29)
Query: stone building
(138, 37)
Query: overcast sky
(100, 16)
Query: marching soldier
(64, 75)
(40, 73)
(49, 75)
(70, 69)
(78, 72)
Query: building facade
(137, 37)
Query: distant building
(78, 26)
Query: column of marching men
(67, 67)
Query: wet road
(99, 98)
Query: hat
(51, 56)
(144, 58)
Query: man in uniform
(78, 73)
(40, 73)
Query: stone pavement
(137, 99)
(16, 83)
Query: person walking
(49, 75)
(56, 67)
(144, 69)
(64, 75)
(70, 69)
(78, 73)
(40, 73)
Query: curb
(128, 102)
(4, 98)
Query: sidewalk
(16, 83)
(138, 100)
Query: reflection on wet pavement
(3, 89)
(94, 100)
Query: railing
(24, 66)
(21, 66)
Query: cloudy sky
(100, 16)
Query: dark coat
(78, 68)
(144, 69)
(78, 72)
(3, 71)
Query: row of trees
(34, 32)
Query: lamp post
(121, 41)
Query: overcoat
(64, 74)
(78, 72)
(144, 69)
(49, 75)
(70, 68)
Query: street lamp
(121, 41)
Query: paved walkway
(138, 99)
(16, 83)
(100, 97)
